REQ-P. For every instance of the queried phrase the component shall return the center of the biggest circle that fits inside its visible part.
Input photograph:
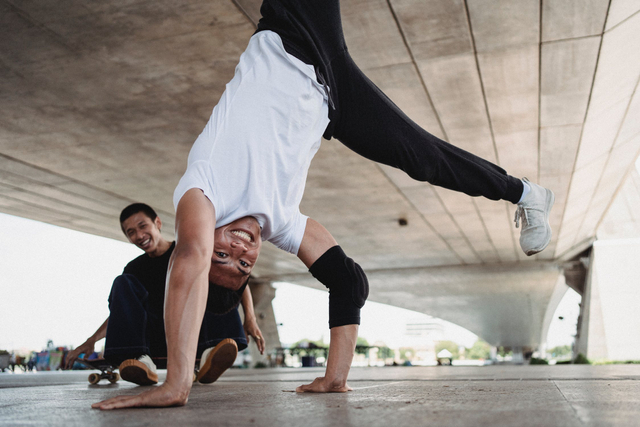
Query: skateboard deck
(106, 370)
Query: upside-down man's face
(235, 252)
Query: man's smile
(243, 235)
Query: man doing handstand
(246, 173)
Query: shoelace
(521, 212)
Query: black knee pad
(347, 283)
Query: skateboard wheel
(114, 378)
(94, 378)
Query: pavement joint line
(575, 411)
(386, 381)
(441, 379)
(379, 385)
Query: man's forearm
(187, 287)
(185, 304)
(247, 304)
(343, 344)
(100, 333)
(317, 241)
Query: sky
(54, 285)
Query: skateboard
(106, 370)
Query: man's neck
(161, 249)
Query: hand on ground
(322, 385)
(162, 396)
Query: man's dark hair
(134, 208)
(222, 300)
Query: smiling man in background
(134, 330)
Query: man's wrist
(334, 384)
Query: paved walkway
(568, 395)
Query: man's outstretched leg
(374, 127)
(364, 119)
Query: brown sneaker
(216, 360)
(141, 371)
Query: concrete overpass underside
(505, 304)
(101, 101)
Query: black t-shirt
(152, 273)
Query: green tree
(361, 345)
(503, 352)
(307, 347)
(479, 350)
(449, 345)
(385, 353)
(561, 352)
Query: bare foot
(322, 385)
(162, 396)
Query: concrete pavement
(573, 395)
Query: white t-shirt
(253, 155)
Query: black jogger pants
(364, 119)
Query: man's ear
(158, 223)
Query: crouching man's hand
(87, 348)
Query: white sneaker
(216, 360)
(534, 212)
(141, 371)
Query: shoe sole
(137, 372)
(219, 360)
(550, 200)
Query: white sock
(525, 190)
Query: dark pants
(364, 119)
(135, 329)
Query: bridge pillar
(609, 314)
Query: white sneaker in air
(534, 212)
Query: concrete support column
(609, 315)
(494, 354)
(263, 293)
(518, 355)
